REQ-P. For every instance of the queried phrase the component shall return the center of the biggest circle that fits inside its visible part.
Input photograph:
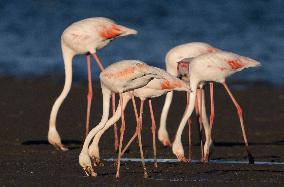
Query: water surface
(30, 33)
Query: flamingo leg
(189, 132)
(122, 128)
(199, 119)
(212, 113)
(240, 114)
(98, 61)
(136, 133)
(114, 126)
(101, 67)
(139, 138)
(90, 94)
(212, 116)
(153, 132)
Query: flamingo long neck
(67, 57)
(163, 119)
(189, 108)
(187, 114)
(97, 132)
(106, 104)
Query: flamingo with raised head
(216, 66)
(83, 37)
(129, 78)
(187, 50)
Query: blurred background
(30, 33)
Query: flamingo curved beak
(89, 172)
(127, 31)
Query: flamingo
(216, 66)
(83, 37)
(187, 50)
(129, 78)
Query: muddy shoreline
(27, 159)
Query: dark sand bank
(27, 159)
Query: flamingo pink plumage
(129, 78)
(216, 66)
(83, 37)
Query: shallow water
(30, 33)
(195, 161)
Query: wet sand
(27, 159)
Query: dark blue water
(30, 33)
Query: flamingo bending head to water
(129, 78)
(216, 66)
(83, 37)
(176, 54)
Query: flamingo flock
(188, 68)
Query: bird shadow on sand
(71, 144)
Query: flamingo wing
(127, 75)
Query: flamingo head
(86, 164)
(183, 69)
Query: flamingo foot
(97, 161)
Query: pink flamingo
(129, 78)
(176, 54)
(215, 67)
(83, 37)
